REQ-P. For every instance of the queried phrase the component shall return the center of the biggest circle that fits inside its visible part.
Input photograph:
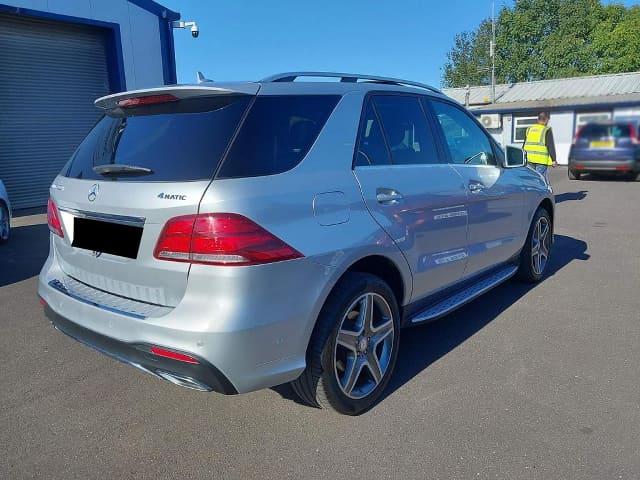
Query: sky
(252, 39)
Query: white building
(56, 58)
(571, 101)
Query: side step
(449, 304)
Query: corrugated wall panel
(50, 74)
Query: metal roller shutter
(50, 74)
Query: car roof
(291, 83)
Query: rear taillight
(53, 219)
(634, 134)
(577, 136)
(220, 239)
(147, 100)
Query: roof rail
(347, 77)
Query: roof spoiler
(180, 92)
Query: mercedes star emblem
(93, 192)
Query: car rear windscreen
(179, 141)
(277, 134)
(595, 131)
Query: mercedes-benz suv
(237, 236)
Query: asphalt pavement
(525, 383)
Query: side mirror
(514, 157)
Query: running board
(449, 304)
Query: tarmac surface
(524, 383)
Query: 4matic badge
(167, 196)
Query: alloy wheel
(540, 241)
(364, 345)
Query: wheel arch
(383, 268)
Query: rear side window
(181, 142)
(596, 131)
(277, 134)
(406, 130)
(371, 147)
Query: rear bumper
(604, 166)
(198, 376)
(244, 328)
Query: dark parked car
(605, 148)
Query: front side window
(405, 127)
(466, 141)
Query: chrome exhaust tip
(182, 381)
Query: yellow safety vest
(535, 145)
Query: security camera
(195, 31)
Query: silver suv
(237, 236)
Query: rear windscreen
(277, 134)
(605, 131)
(178, 141)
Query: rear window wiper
(119, 169)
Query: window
(599, 131)
(178, 141)
(371, 147)
(277, 134)
(584, 118)
(467, 142)
(520, 128)
(406, 131)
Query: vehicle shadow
(563, 197)
(427, 343)
(24, 254)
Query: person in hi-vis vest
(539, 145)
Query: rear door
(496, 201)
(140, 166)
(418, 201)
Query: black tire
(573, 175)
(5, 223)
(532, 269)
(633, 176)
(319, 385)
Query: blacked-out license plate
(106, 237)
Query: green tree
(545, 39)
(469, 62)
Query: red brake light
(53, 219)
(147, 100)
(161, 352)
(577, 136)
(634, 134)
(220, 239)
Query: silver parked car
(237, 236)
(5, 214)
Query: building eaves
(548, 93)
(156, 9)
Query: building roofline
(157, 9)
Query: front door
(495, 204)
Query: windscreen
(178, 141)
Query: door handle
(388, 196)
(475, 187)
